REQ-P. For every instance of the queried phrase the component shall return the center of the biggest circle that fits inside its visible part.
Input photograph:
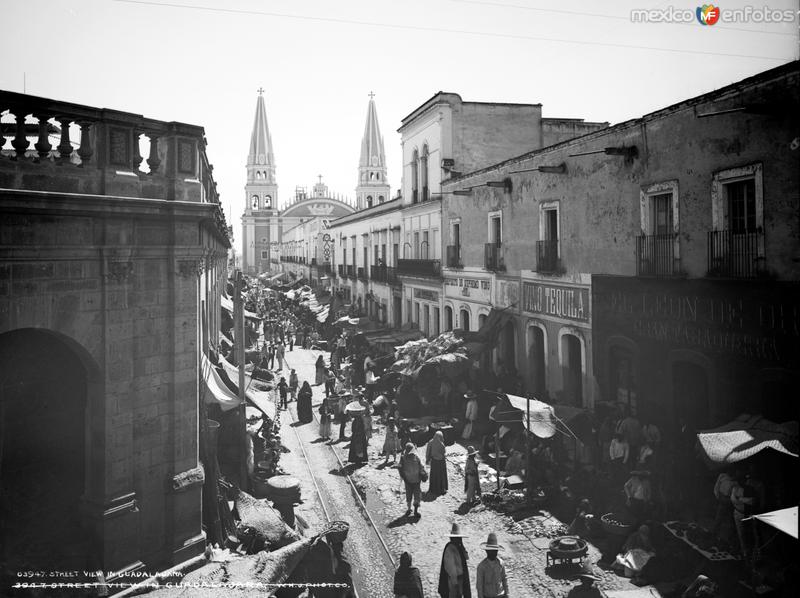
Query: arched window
(371, 176)
(380, 199)
(448, 318)
(369, 201)
(254, 202)
(415, 177)
(378, 175)
(423, 166)
(267, 201)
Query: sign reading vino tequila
(568, 302)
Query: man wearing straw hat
(490, 579)
(454, 574)
(586, 589)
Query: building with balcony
(442, 139)
(367, 241)
(652, 263)
(265, 224)
(111, 270)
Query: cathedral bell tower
(259, 221)
(373, 186)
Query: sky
(202, 62)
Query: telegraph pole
(238, 339)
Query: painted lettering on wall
(571, 303)
(468, 287)
(426, 295)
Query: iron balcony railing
(342, 271)
(454, 256)
(547, 256)
(427, 268)
(361, 273)
(378, 273)
(351, 271)
(734, 254)
(492, 256)
(655, 255)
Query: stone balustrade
(65, 147)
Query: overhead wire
(491, 34)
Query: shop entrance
(43, 390)
(572, 369)
(536, 362)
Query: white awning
(217, 391)
(227, 304)
(782, 519)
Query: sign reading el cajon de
(561, 301)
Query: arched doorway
(507, 349)
(465, 320)
(536, 362)
(448, 318)
(572, 369)
(43, 396)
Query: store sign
(476, 289)
(426, 295)
(507, 293)
(570, 303)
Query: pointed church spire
(373, 187)
(260, 154)
(372, 154)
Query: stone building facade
(653, 263)
(110, 279)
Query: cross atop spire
(261, 91)
(371, 95)
(319, 176)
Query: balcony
(655, 255)
(425, 268)
(454, 256)
(313, 261)
(493, 257)
(547, 261)
(342, 271)
(383, 274)
(351, 271)
(734, 254)
(361, 273)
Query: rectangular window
(408, 311)
(265, 255)
(456, 236)
(396, 251)
(497, 231)
(366, 257)
(416, 246)
(741, 197)
(425, 247)
(376, 254)
(661, 214)
(435, 321)
(416, 313)
(551, 225)
(427, 328)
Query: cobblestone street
(425, 537)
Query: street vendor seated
(514, 469)
(637, 550)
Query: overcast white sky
(318, 60)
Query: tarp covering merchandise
(747, 435)
(217, 390)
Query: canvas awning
(546, 420)
(746, 436)
(263, 400)
(227, 304)
(217, 390)
(784, 520)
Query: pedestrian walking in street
(294, 382)
(358, 441)
(371, 382)
(490, 578)
(407, 581)
(435, 458)
(319, 366)
(343, 418)
(471, 414)
(330, 383)
(290, 339)
(304, 409)
(280, 356)
(283, 391)
(619, 453)
(367, 417)
(271, 354)
(391, 444)
(454, 573)
(472, 485)
(413, 474)
(325, 420)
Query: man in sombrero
(454, 574)
(586, 589)
(490, 579)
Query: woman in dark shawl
(407, 582)
(320, 366)
(304, 410)
(435, 457)
(358, 441)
